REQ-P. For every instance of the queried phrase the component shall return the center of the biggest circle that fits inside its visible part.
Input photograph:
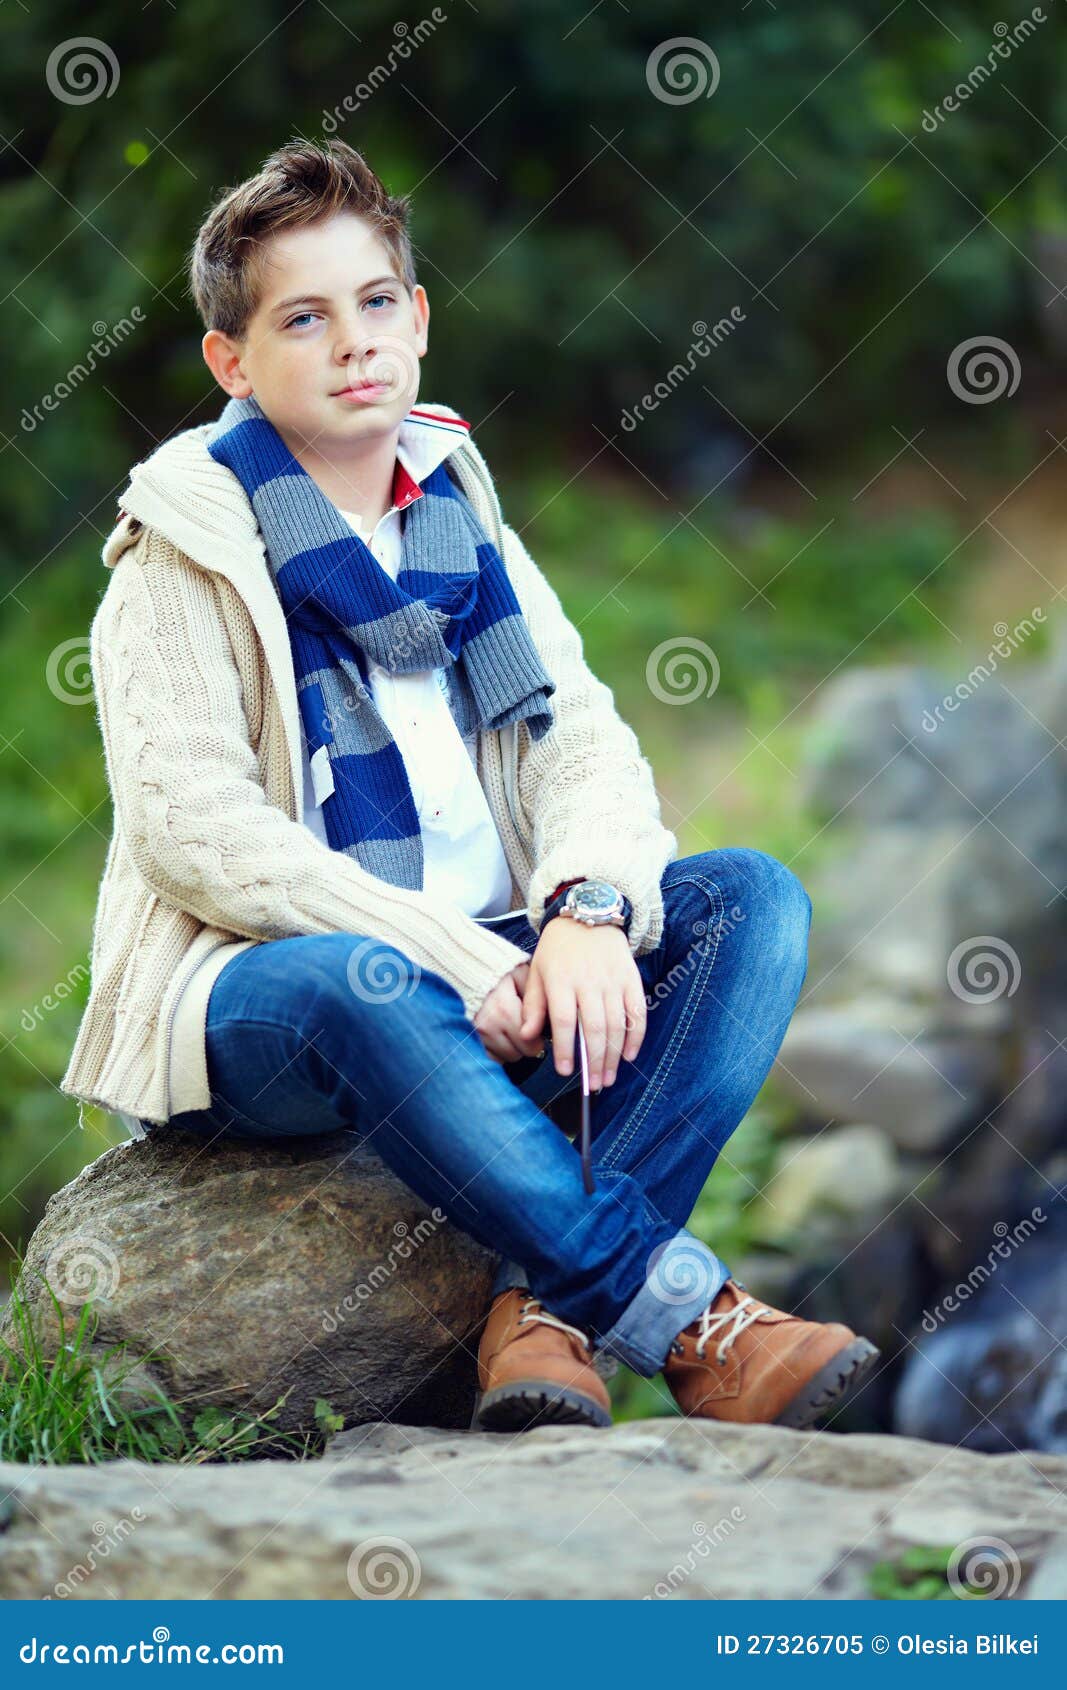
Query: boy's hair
(302, 182)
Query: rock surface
(660, 1508)
(252, 1271)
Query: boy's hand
(587, 971)
(498, 1020)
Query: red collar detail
(405, 488)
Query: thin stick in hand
(587, 1168)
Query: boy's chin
(337, 424)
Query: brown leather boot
(766, 1365)
(535, 1370)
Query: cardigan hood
(200, 505)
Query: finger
(615, 1033)
(511, 1025)
(563, 1013)
(636, 1019)
(506, 1018)
(500, 1047)
(534, 1004)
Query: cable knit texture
(196, 697)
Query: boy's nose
(353, 342)
(355, 355)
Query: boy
(381, 837)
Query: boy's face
(332, 316)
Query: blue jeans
(337, 1032)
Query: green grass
(76, 1406)
(920, 1574)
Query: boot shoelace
(539, 1314)
(741, 1315)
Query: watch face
(591, 896)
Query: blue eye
(304, 316)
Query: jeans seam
(654, 1084)
(258, 1021)
(651, 1215)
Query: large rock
(821, 1185)
(924, 1091)
(950, 823)
(656, 1508)
(255, 1270)
(897, 913)
(881, 752)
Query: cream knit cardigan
(196, 695)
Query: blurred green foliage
(570, 226)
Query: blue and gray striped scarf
(452, 606)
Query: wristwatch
(596, 903)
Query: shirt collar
(426, 438)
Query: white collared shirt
(463, 859)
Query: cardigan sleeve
(195, 816)
(585, 785)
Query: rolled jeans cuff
(507, 1275)
(684, 1276)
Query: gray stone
(768, 1274)
(887, 925)
(859, 755)
(1049, 1583)
(669, 1508)
(303, 1267)
(952, 829)
(843, 1176)
(881, 752)
(923, 1091)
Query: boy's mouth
(363, 392)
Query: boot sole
(835, 1381)
(527, 1403)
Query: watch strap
(554, 902)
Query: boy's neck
(361, 481)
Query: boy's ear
(420, 305)
(223, 358)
